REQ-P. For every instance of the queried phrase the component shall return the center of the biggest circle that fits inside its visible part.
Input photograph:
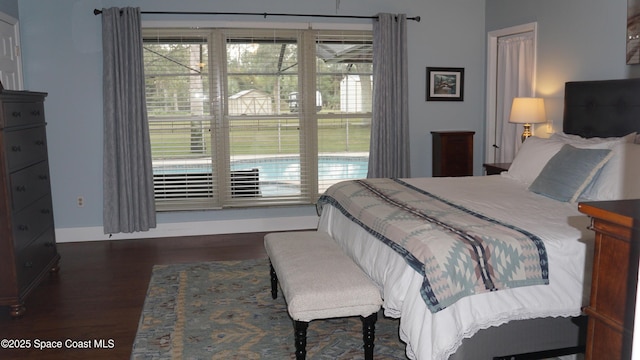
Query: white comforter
(436, 336)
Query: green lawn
(250, 137)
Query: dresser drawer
(609, 287)
(458, 169)
(456, 141)
(459, 153)
(452, 153)
(29, 184)
(23, 113)
(25, 147)
(31, 261)
(31, 221)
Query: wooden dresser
(615, 276)
(452, 153)
(27, 239)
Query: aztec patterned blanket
(457, 251)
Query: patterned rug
(224, 310)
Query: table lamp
(527, 111)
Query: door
(10, 61)
(508, 76)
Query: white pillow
(582, 142)
(619, 178)
(535, 152)
(533, 155)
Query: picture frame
(633, 32)
(445, 84)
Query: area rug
(224, 310)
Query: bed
(542, 309)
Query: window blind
(344, 76)
(264, 114)
(180, 116)
(250, 117)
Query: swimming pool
(288, 168)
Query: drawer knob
(35, 113)
(16, 114)
(28, 264)
(23, 227)
(21, 188)
(45, 211)
(16, 148)
(39, 142)
(43, 177)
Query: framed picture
(633, 32)
(445, 84)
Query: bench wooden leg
(274, 282)
(369, 334)
(300, 328)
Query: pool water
(280, 176)
(288, 168)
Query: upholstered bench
(320, 281)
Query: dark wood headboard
(602, 108)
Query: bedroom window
(249, 117)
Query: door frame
(492, 76)
(4, 17)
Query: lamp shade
(527, 110)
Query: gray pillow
(568, 172)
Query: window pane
(344, 77)
(264, 136)
(227, 122)
(262, 73)
(178, 106)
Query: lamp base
(526, 133)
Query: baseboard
(96, 233)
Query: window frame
(218, 89)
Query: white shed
(353, 97)
(250, 102)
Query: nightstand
(495, 168)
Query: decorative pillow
(619, 178)
(569, 172)
(533, 155)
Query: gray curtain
(128, 176)
(389, 148)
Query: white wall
(62, 55)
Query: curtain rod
(416, 18)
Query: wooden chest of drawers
(452, 153)
(27, 238)
(615, 275)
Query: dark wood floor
(100, 289)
